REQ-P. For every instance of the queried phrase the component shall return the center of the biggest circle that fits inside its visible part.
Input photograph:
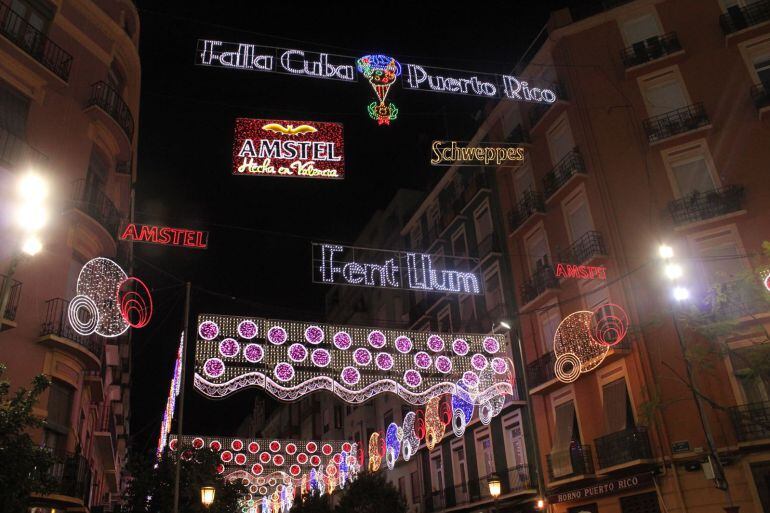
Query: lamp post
(207, 496)
(493, 481)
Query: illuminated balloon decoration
(108, 302)
(584, 338)
(381, 71)
(290, 359)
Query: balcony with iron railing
(541, 281)
(12, 290)
(71, 477)
(15, 153)
(57, 331)
(568, 167)
(106, 98)
(476, 184)
(751, 422)
(701, 206)
(531, 203)
(650, 49)
(106, 439)
(33, 42)
(733, 300)
(760, 95)
(676, 122)
(569, 464)
(739, 17)
(95, 203)
(539, 110)
(588, 246)
(623, 447)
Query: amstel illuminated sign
(163, 235)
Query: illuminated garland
(168, 413)
(290, 359)
(381, 71)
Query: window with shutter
(565, 434)
(640, 28)
(617, 407)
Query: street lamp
(540, 504)
(493, 480)
(207, 496)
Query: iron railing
(730, 300)
(570, 165)
(530, 203)
(109, 100)
(678, 121)
(760, 94)
(751, 421)
(541, 370)
(580, 462)
(71, 476)
(94, 202)
(738, 18)
(34, 42)
(14, 295)
(538, 110)
(15, 152)
(623, 446)
(514, 479)
(57, 323)
(587, 246)
(650, 49)
(698, 206)
(540, 281)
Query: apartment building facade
(660, 135)
(69, 98)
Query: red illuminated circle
(215, 446)
(331, 470)
(326, 449)
(291, 448)
(337, 458)
(135, 302)
(240, 459)
(220, 468)
(311, 447)
(227, 456)
(302, 458)
(315, 460)
(275, 446)
(264, 457)
(253, 447)
(278, 459)
(294, 470)
(237, 445)
(187, 455)
(197, 443)
(172, 444)
(346, 447)
(256, 469)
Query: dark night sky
(258, 261)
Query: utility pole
(179, 430)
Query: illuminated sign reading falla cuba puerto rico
(305, 149)
(346, 265)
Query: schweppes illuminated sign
(164, 235)
(304, 149)
(448, 153)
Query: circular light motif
(278, 460)
(376, 339)
(342, 340)
(350, 375)
(346, 447)
(226, 456)
(297, 352)
(229, 347)
(85, 305)
(403, 344)
(302, 458)
(263, 490)
(100, 280)
(294, 470)
(479, 361)
(435, 343)
(460, 347)
(315, 460)
(284, 371)
(499, 365)
(275, 446)
(412, 378)
(276, 335)
(172, 444)
(443, 364)
(220, 468)
(471, 378)
(326, 449)
(311, 447)
(240, 459)
(208, 330)
(491, 345)
(257, 469)
(236, 445)
(384, 361)
(337, 458)
(609, 325)
(253, 447)
(264, 457)
(214, 367)
(422, 360)
(362, 356)
(197, 443)
(567, 367)
(253, 353)
(314, 335)
(135, 302)
(321, 357)
(187, 455)
(291, 448)
(247, 329)
(215, 446)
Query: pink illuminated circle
(346, 447)
(247, 329)
(284, 371)
(422, 360)
(443, 364)
(297, 352)
(220, 468)
(337, 458)
(302, 458)
(478, 361)
(435, 343)
(253, 353)
(214, 367)
(314, 335)
(350, 375)
(264, 457)
(460, 347)
(376, 339)
(276, 335)
(362, 356)
(342, 340)
(499, 365)
(471, 378)
(197, 443)
(491, 345)
(208, 330)
(229, 347)
(412, 378)
(215, 445)
(384, 361)
(294, 470)
(403, 344)
(321, 357)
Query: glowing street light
(505, 324)
(207, 496)
(681, 293)
(32, 188)
(673, 271)
(31, 245)
(540, 504)
(494, 485)
(665, 251)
